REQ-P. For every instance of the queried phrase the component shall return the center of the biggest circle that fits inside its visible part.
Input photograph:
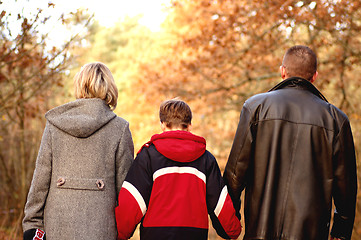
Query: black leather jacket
(293, 152)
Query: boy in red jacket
(173, 184)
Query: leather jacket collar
(300, 83)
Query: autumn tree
(221, 47)
(218, 53)
(123, 47)
(31, 69)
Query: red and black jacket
(172, 186)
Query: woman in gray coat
(84, 156)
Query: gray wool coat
(84, 156)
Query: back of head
(300, 61)
(96, 81)
(175, 114)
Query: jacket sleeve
(235, 174)
(39, 188)
(134, 196)
(345, 183)
(219, 204)
(124, 157)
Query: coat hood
(180, 146)
(82, 117)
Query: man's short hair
(175, 113)
(95, 80)
(300, 61)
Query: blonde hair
(94, 80)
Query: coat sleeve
(124, 157)
(345, 183)
(134, 196)
(39, 188)
(219, 204)
(235, 174)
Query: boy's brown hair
(175, 113)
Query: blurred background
(214, 54)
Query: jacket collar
(300, 83)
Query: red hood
(180, 146)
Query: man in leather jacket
(293, 153)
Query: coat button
(100, 184)
(60, 181)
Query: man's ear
(283, 72)
(314, 77)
